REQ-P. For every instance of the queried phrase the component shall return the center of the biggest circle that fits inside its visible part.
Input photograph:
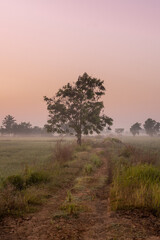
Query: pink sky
(45, 44)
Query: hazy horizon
(45, 44)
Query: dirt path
(94, 220)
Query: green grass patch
(85, 147)
(88, 168)
(17, 181)
(17, 153)
(38, 177)
(137, 187)
(95, 159)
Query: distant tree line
(10, 126)
(151, 128)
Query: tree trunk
(79, 139)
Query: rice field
(148, 145)
(19, 153)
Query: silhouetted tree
(37, 130)
(135, 128)
(8, 124)
(23, 128)
(78, 106)
(151, 127)
(119, 130)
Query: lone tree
(151, 127)
(135, 128)
(78, 106)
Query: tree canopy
(8, 124)
(79, 107)
(151, 127)
(135, 128)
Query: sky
(44, 44)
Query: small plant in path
(88, 168)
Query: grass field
(34, 168)
(60, 183)
(135, 166)
(19, 153)
(136, 174)
(146, 144)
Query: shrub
(17, 181)
(37, 178)
(88, 168)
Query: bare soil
(94, 221)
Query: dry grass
(63, 152)
(12, 201)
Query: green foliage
(69, 197)
(37, 178)
(78, 107)
(95, 159)
(88, 168)
(8, 124)
(151, 127)
(17, 181)
(21, 182)
(72, 208)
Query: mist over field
(79, 120)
